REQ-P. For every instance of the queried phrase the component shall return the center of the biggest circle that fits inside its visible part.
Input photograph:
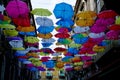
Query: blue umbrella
(50, 40)
(46, 44)
(44, 21)
(45, 29)
(63, 10)
(80, 40)
(73, 50)
(27, 33)
(67, 58)
(65, 23)
(50, 64)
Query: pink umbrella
(17, 8)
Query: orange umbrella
(45, 36)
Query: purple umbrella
(17, 8)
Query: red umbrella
(62, 35)
(59, 49)
(17, 8)
(22, 21)
(114, 27)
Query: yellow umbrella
(85, 22)
(45, 36)
(86, 18)
(26, 29)
(86, 14)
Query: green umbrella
(9, 26)
(41, 12)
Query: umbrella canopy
(45, 29)
(46, 44)
(7, 26)
(17, 8)
(45, 36)
(21, 21)
(79, 29)
(41, 12)
(63, 10)
(2, 8)
(65, 23)
(62, 35)
(50, 40)
(44, 21)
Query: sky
(50, 4)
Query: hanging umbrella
(85, 18)
(96, 35)
(62, 35)
(50, 40)
(64, 41)
(47, 50)
(2, 8)
(86, 14)
(58, 27)
(50, 64)
(41, 12)
(45, 36)
(79, 29)
(31, 39)
(59, 49)
(7, 26)
(1, 16)
(67, 58)
(26, 29)
(107, 14)
(32, 33)
(21, 21)
(62, 30)
(85, 22)
(17, 8)
(65, 23)
(45, 29)
(46, 44)
(63, 10)
(44, 21)
(74, 45)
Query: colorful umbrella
(7, 26)
(62, 35)
(65, 23)
(79, 29)
(45, 29)
(47, 50)
(86, 14)
(10, 32)
(107, 14)
(63, 10)
(26, 29)
(17, 8)
(50, 64)
(96, 35)
(50, 40)
(2, 8)
(62, 30)
(32, 33)
(1, 16)
(64, 41)
(45, 36)
(44, 21)
(21, 21)
(85, 18)
(59, 49)
(46, 44)
(41, 12)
